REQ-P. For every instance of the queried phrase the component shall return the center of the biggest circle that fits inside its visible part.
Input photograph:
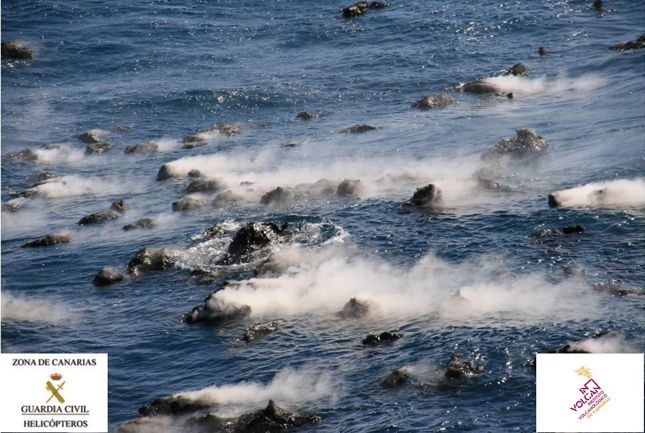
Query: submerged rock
(188, 203)
(150, 259)
(27, 155)
(460, 368)
(116, 210)
(203, 185)
(636, 44)
(273, 419)
(357, 129)
(254, 236)
(306, 115)
(434, 101)
(259, 330)
(215, 312)
(597, 5)
(16, 51)
(427, 196)
(172, 405)
(53, 239)
(542, 51)
(360, 8)
(396, 378)
(350, 188)
(98, 148)
(108, 276)
(141, 223)
(354, 309)
(383, 337)
(525, 144)
(142, 148)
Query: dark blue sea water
(169, 69)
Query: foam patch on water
(561, 84)
(322, 280)
(249, 175)
(21, 309)
(71, 186)
(59, 153)
(610, 343)
(289, 387)
(615, 193)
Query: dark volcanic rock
(306, 115)
(91, 137)
(142, 148)
(597, 5)
(396, 378)
(254, 236)
(553, 201)
(273, 419)
(15, 51)
(98, 148)
(427, 196)
(226, 197)
(518, 69)
(383, 337)
(214, 312)
(188, 203)
(277, 196)
(636, 44)
(460, 368)
(108, 276)
(203, 185)
(542, 51)
(43, 176)
(480, 87)
(115, 211)
(164, 173)
(357, 129)
(350, 188)
(200, 138)
(150, 259)
(525, 144)
(141, 223)
(617, 290)
(53, 239)
(573, 229)
(434, 101)
(354, 309)
(24, 155)
(360, 8)
(172, 405)
(260, 330)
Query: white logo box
(54, 392)
(606, 396)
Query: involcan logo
(593, 397)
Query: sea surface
(488, 275)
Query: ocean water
(169, 69)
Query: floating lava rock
(460, 368)
(172, 405)
(254, 236)
(306, 115)
(188, 203)
(141, 224)
(636, 44)
(259, 330)
(354, 309)
(360, 8)
(427, 196)
(94, 148)
(432, 102)
(150, 259)
(203, 185)
(350, 188)
(518, 69)
(525, 144)
(357, 129)
(277, 196)
(49, 240)
(116, 210)
(108, 276)
(382, 338)
(215, 312)
(573, 229)
(396, 378)
(16, 51)
(273, 419)
(142, 148)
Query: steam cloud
(615, 193)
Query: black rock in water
(254, 236)
(277, 196)
(172, 405)
(273, 419)
(383, 337)
(354, 309)
(150, 259)
(525, 144)
(636, 44)
(460, 368)
(306, 115)
(108, 276)
(142, 223)
(360, 8)
(349, 188)
(49, 240)
(357, 129)
(141, 148)
(259, 330)
(98, 148)
(15, 51)
(395, 379)
(573, 229)
(427, 196)
(214, 312)
(434, 101)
